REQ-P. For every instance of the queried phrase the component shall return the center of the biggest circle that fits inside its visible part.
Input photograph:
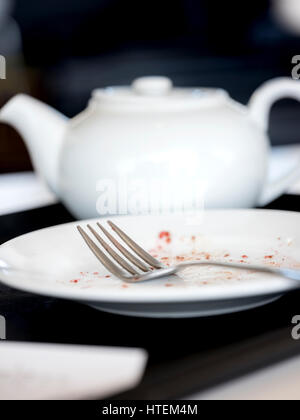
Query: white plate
(56, 262)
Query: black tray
(185, 355)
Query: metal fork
(147, 267)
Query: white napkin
(51, 371)
(23, 191)
(283, 158)
(280, 381)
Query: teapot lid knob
(152, 85)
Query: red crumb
(168, 285)
(124, 286)
(244, 256)
(107, 276)
(179, 258)
(227, 255)
(96, 273)
(74, 281)
(163, 234)
(204, 282)
(207, 257)
(82, 273)
(165, 258)
(193, 238)
(242, 261)
(268, 256)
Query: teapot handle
(260, 105)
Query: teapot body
(152, 148)
(124, 162)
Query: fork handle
(289, 273)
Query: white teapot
(135, 145)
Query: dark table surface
(185, 355)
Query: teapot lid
(157, 92)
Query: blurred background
(59, 50)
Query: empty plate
(56, 262)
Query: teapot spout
(42, 129)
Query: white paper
(283, 159)
(277, 382)
(23, 191)
(50, 371)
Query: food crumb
(165, 235)
(226, 255)
(125, 286)
(268, 256)
(95, 273)
(74, 281)
(169, 285)
(107, 276)
(244, 256)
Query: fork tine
(124, 251)
(116, 256)
(100, 255)
(135, 247)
